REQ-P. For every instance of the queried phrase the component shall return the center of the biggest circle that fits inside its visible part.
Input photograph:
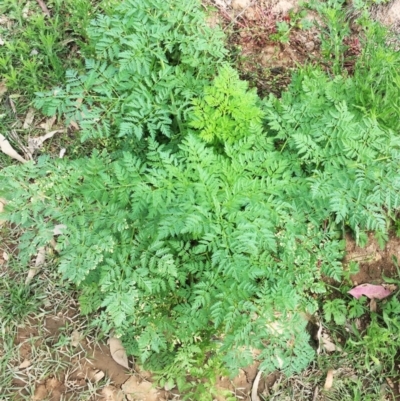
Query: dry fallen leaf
(327, 343)
(5, 256)
(48, 124)
(25, 10)
(3, 88)
(372, 305)
(58, 229)
(25, 364)
(95, 375)
(370, 291)
(135, 390)
(329, 380)
(74, 125)
(41, 393)
(111, 393)
(36, 143)
(13, 108)
(7, 149)
(40, 258)
(4, 20)
(30, 115)
(118, 352)
(76, 338)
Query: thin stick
(43, 7)
(254, 390)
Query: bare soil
(374, 263)
(94, 363)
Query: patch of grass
(35, 52)
(36, 325)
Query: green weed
(205, 220)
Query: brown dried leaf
(48, 124)
(3, 88)
(76, 338)
(372, 305)
(118, 352)
(95, 375)
(30, 115)
(110, 393)
(4, 20)
(135, 390)
(7, 149)
(327, 343)
(40, 258)
(74, 125)
(25, 10)
(36, 143)
(13, 108)
(329, 380)
(25, 364)
(41, 393)
(58, 229)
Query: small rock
(301, 38)
(284, 6)
(310, 46)
(239, 5)
(251, 14)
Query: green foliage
(381, 338)
(195, 256)
(151, 58)
(335, 310)
(356, 308)
(17, 301)
(227, 111)
(37, 49)
(187, 247)
(346, 153)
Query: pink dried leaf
(370, 290)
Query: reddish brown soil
(374, 263)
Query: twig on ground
(44, 8)
(315, 396)
(254, 390)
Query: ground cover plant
(207, 222)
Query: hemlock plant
(203, 237)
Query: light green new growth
(227, 111)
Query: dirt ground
(90, 363)
(374, 262)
